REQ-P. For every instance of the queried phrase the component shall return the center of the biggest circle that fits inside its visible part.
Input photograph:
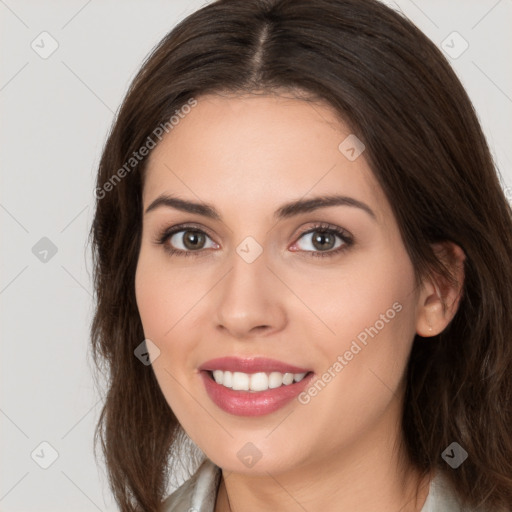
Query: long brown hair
(425, 146)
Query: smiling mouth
(255, 382)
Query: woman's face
(268, 290)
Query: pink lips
(250, 365)
(250, 403)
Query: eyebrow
(287, 210)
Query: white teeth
(240, 381)
(259, 382)
(255, 381)
(227, 379)
(297, 377)
(287, 378)
(275, 380)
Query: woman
(302, 265)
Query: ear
(439, 298)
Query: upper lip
(250, 365)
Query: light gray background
(55, 115)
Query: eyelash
(322, 227)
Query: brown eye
(193, 239)
(189, 240)
(324, 240)
(183, 240)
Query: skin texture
(247, 156)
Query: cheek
(161, 303)
(365, 298)
(163, 297)
(165, 300)
(371, 315)
(363, 369)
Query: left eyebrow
(287, 210)
(309, 205)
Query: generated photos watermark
(143, 151)
(343, 360)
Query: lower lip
(252, 403)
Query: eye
(325, 240)
(185, 240)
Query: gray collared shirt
(198, 494)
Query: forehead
(260, 150)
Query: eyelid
(325, 226)
(176, 228)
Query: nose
(250, 300)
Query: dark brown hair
(399, 95)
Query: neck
(371, 474)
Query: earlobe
(439, 299)
(431, 320)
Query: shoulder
(442, 497)
(198, 493)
